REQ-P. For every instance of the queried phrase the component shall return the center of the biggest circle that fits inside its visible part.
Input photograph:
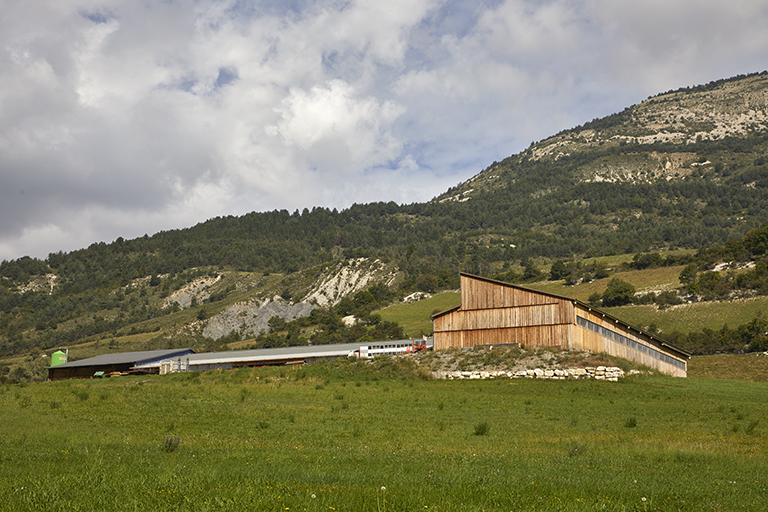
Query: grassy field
(694, 317)
(352, 436)
(416, 317)
(753, 367)
(655, 279)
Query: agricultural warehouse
(496, 313)
(186, 360)
(283, 355)
(147, 361)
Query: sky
(120, 118)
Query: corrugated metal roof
(268, 354)
(127, 357)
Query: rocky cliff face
(734, 109)
(349, 278)
(327, 287)
(689, 118)
(199, 290)
(251, 318)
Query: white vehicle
(388, 348)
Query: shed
(496, 313)
(147, 361)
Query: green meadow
(416, 317)
(358, 436)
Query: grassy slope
(753, 367)
(416, 317)
(684, 318)
(649, 280)
(694, 317)
(319, 438)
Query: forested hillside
(687, 169)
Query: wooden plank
(587, 339)
(529, 337)
(482, 294)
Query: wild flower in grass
(383, 505)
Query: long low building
(496, 313)
(175, 360)
(284, 355)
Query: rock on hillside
(348, 278)
(327, 288)
(197, 289)
(250, 318)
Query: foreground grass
(346, 437)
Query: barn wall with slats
(84, 372)
(495, 313)
(500, 318)
(530, 337)
(480, 294)
(647, 353)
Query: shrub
(618, 293)
(82, 394)
(170, 443)
(482, 429)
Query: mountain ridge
(735, 107)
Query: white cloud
(337, 130)
(122, 118)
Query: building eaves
(449, 310)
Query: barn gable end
(497, 313)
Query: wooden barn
(497, 313)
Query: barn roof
(126, 358)
(270, 354)
(574, 301)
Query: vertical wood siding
(481, 294)
(588, 339)
(493, 313)
(530, 337)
